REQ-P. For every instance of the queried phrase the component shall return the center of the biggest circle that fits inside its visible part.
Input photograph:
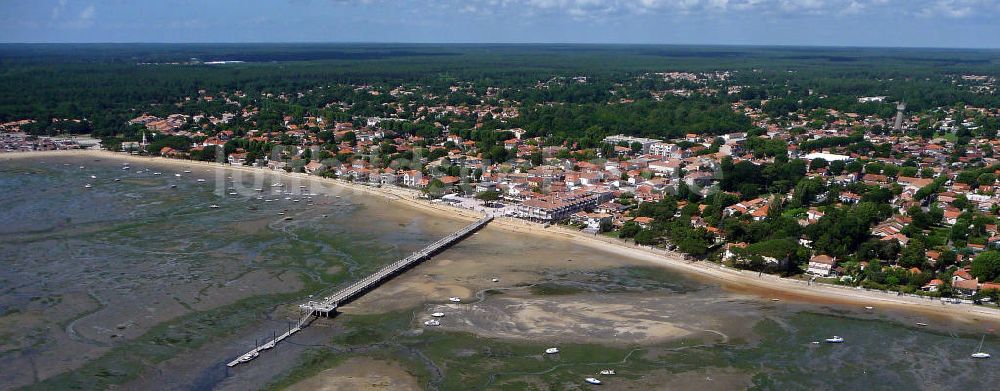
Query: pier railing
(328, 305)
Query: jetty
(327, 307)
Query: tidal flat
(137, 284)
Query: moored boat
(979, 353)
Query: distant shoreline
(737, 281)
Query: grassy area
(795, 213)
(938, 236)
(362, 331)
(553, 289)
(166, 340)
(466, 360)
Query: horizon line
(759, 45)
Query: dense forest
(106, 84)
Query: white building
(821, 265)
(620, 138)
(830, 157)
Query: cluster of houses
(640, 169)
(21, 142)
(598, 193)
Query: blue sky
(920, 23)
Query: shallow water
(137, 282)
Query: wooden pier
(328, 306)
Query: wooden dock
(328, 306)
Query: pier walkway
(328, 306)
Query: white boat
(200, 180)
(496, 280)
(249, 356)
(117, 180)
(177, 175)
(608, 372)
(592, 380)
(551, 350)
(233, 193)
(979, 351)
(157, 173)
(835, 339)
(454, 299)
(438, 314)
(87, 186)
(214, 206)
(81, 167)
(93, 177)
(173, 186)
(869, 308)
(266, 346)
(432, 322)
(187, 171)
(921, 324)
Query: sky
(892, 23)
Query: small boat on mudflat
(979, 353)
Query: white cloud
(88, 13)
(602, 8)
(58, 9)
(960, 8)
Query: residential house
(821, 265)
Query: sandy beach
(743, 282)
